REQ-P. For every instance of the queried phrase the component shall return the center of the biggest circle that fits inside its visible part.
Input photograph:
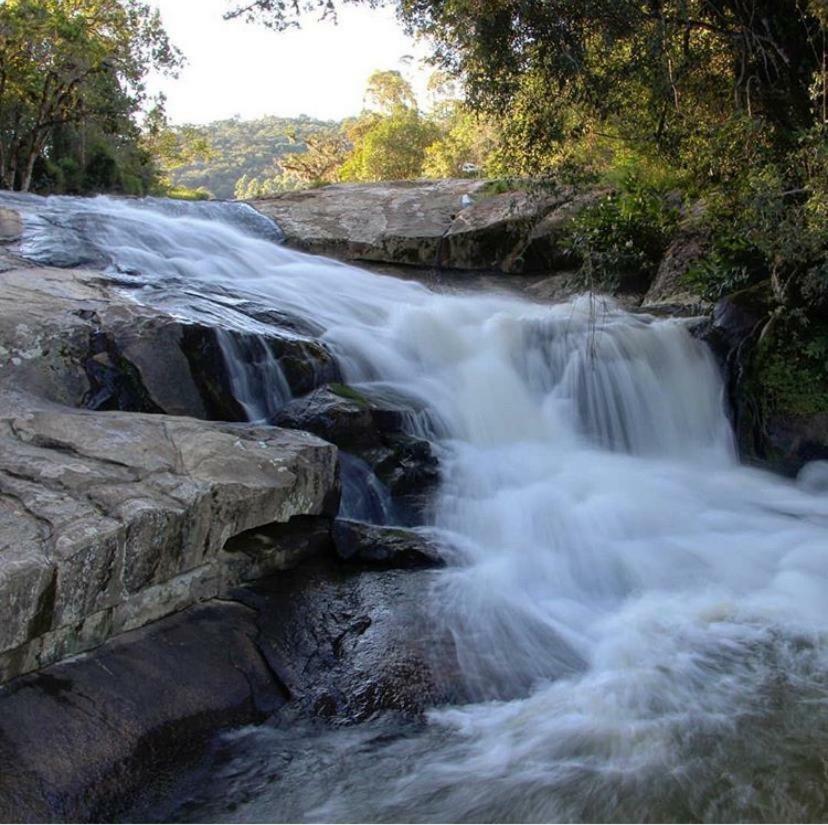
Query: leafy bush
(791, 366)
(183, 193)
(621, 240)
(771, 222)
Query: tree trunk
(36, 147)
(26, 181)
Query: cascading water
(640, 622)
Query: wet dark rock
(279, 319)
(731, 333)
(80, 739)
(112, 732)
(738, 318)
(373, 429)
(350, 643)
(772, 429)
(338, 414)
(790, 441)
(304, 363)
(114, 382)
(389, 547)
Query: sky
(238, 68)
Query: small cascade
(256, 378)
(364, 496)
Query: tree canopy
(71, 83)
(655, 71)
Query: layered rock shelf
(113, 519)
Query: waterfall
(640, 621)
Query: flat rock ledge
(458, 224)
(111, 520)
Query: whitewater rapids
(640, 621)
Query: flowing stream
(640, 621)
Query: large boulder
(450, 224)
(112, 520)
(79, 341)
(395, 222)
(135, 546)
(83, 739)
(493, 232)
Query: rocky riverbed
(205, 525)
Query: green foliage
(324, 153)
(622, 238)
(464, 147)
(770, 220)
(389, 144)
(388, 91)
(791, 367)
(393, 148)
(248, 150)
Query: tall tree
(387, 90)
(325, 152)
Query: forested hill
(242, 148)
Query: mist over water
(640, 622)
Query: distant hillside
(245, 147)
